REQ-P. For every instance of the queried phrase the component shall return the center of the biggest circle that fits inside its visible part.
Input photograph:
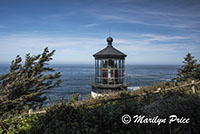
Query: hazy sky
(148, 31)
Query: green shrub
(103, 115)
(26, 124)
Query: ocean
(76, 78)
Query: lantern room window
(109, 71)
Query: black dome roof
(109, 51)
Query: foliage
(180, 103)
(102, 116)
(27, 124)
(23, 87)
(190, 69)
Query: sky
(147, 31)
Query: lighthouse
(109, 70)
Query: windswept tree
(24, 87)
(190, 70)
